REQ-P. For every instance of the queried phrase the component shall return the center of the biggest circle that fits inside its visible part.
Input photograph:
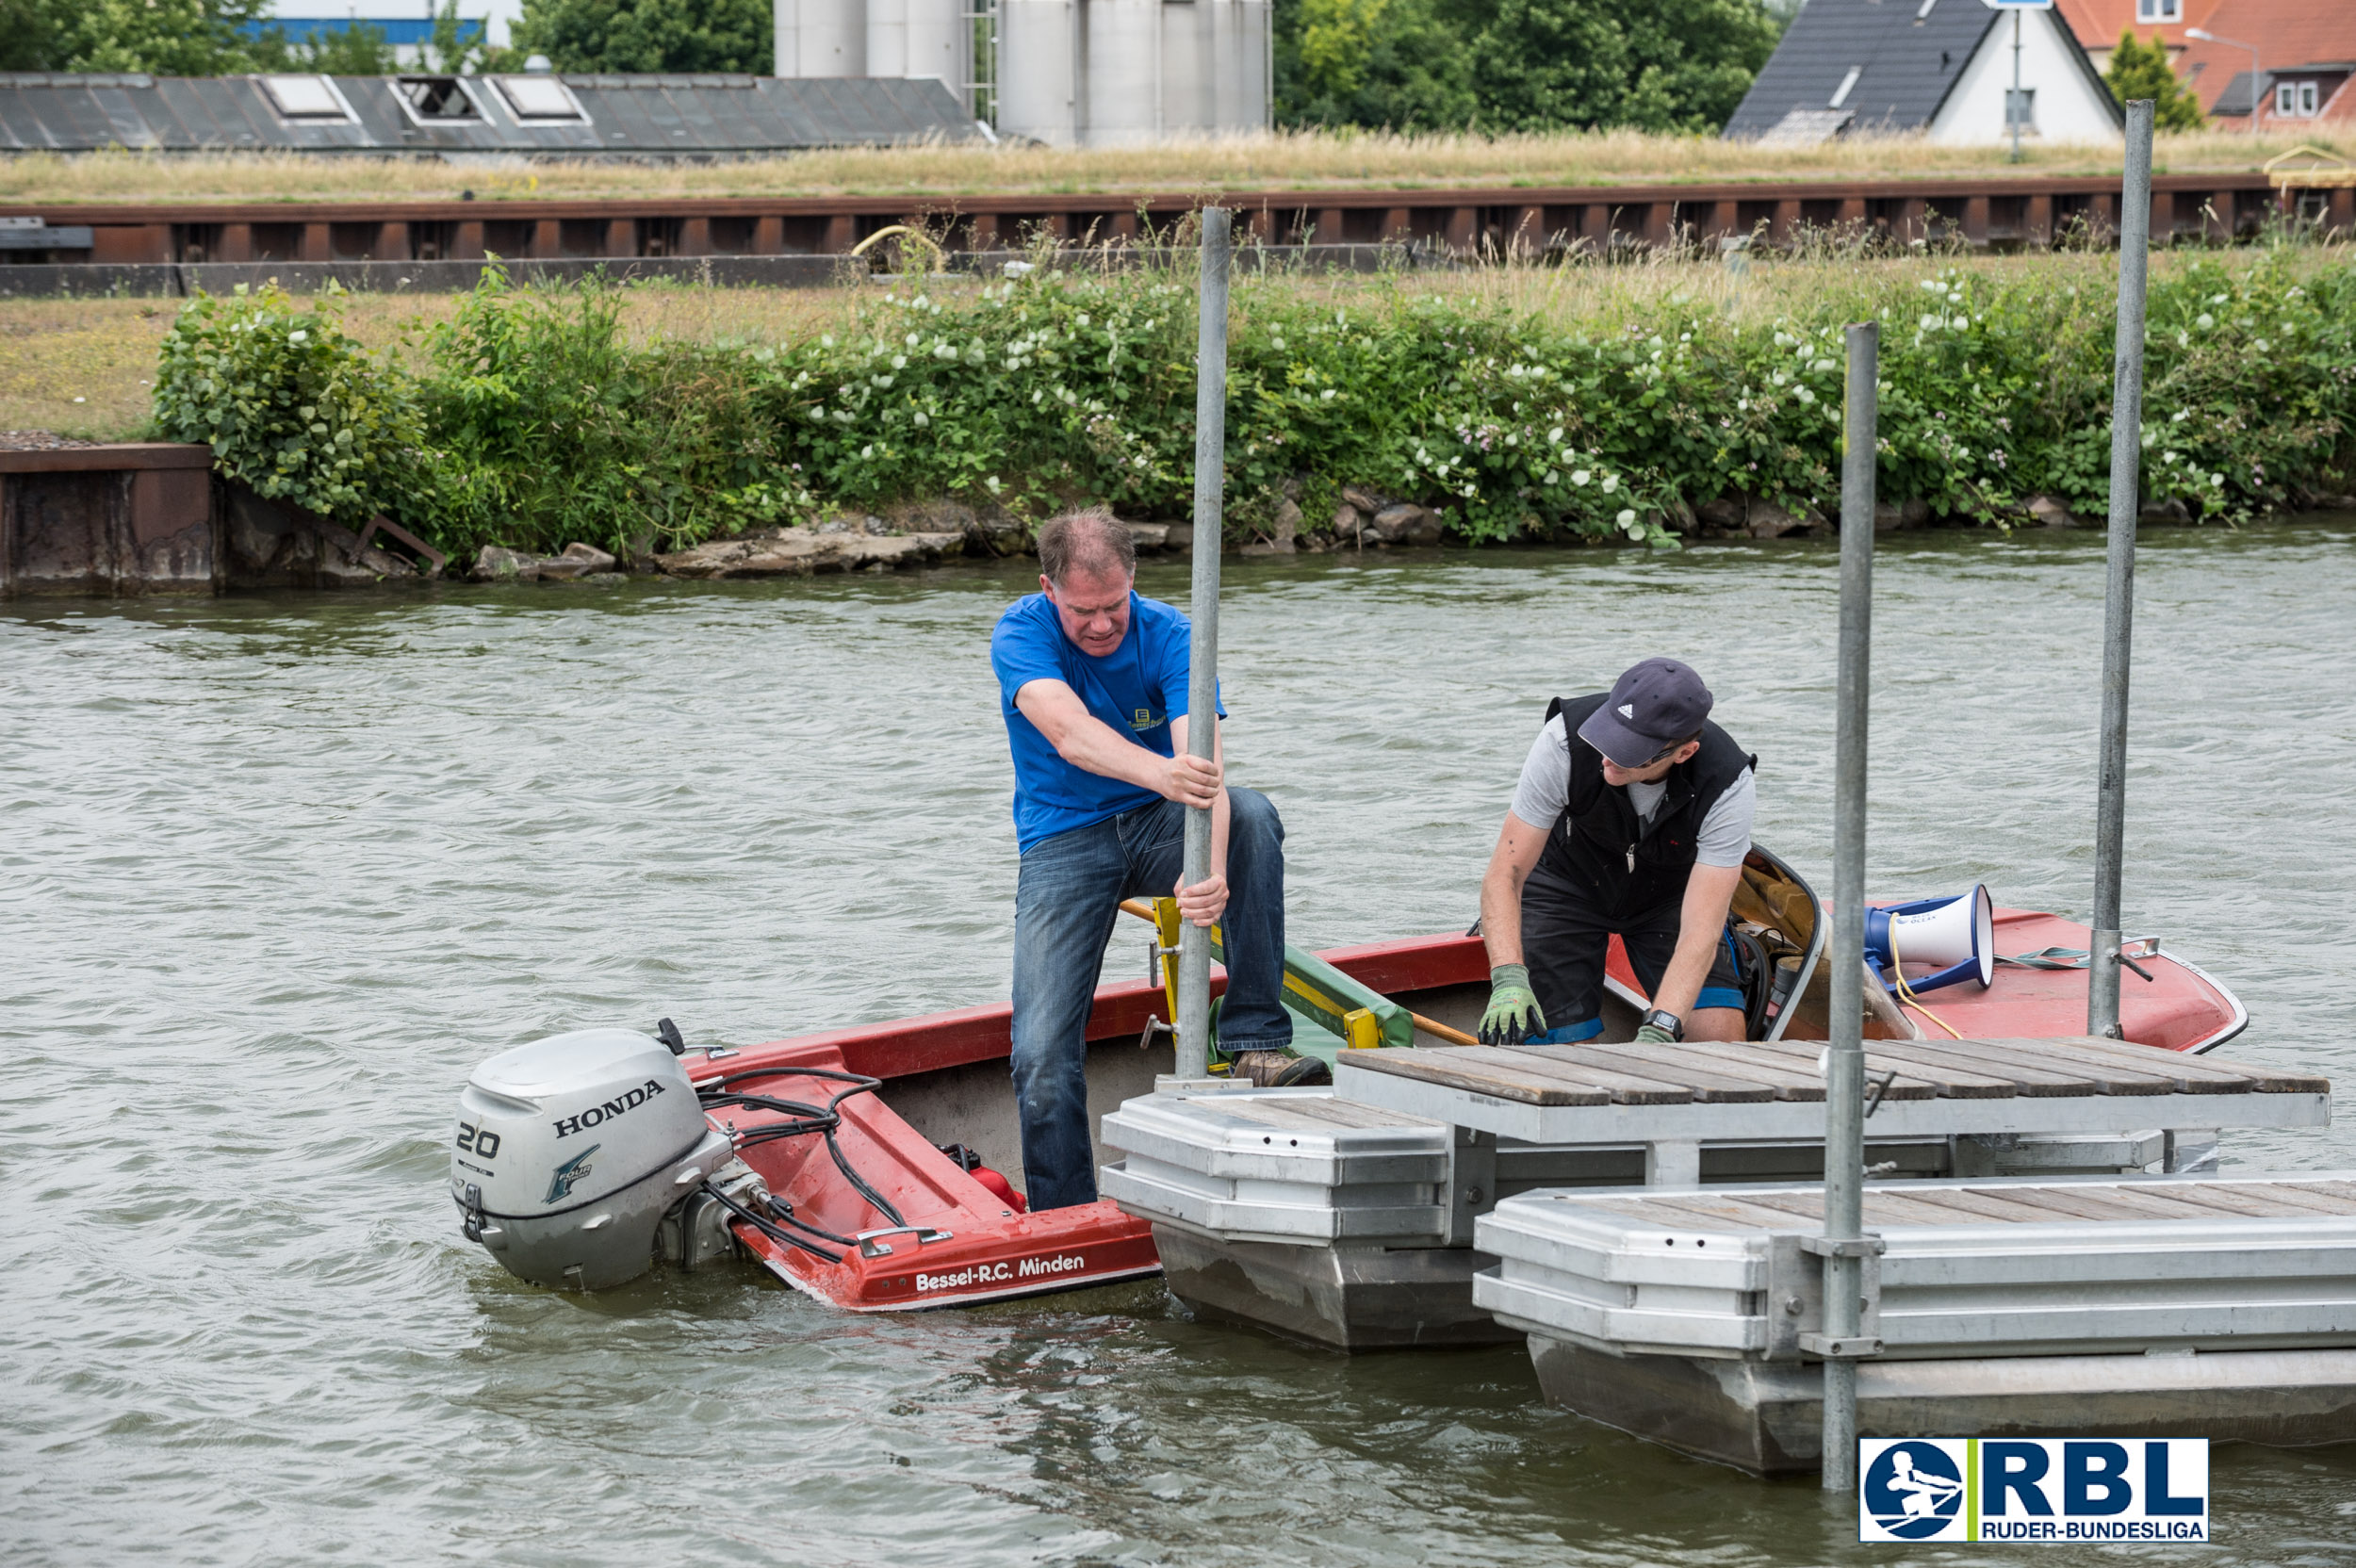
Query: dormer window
(437, 100)
(539, 100)
(2295, 100)
(2159, 10)
(306, 100)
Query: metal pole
(1844, 1062)
(2119, 597)
(2012, 111)
(1210, 483)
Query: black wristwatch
(1660, 1018)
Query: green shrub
(289, 403)
(532, 422)
(547, 428)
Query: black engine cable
(803, 1121)
(774, 1232)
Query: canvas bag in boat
(1598, 843)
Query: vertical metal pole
(2012, 111)
(1210, 483)
(2119, 597)
(1844, 1064)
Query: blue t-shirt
(1137, 689)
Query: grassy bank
(1581, 403)
(1279, 160)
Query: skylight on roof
(1841, 94)
(305, 98)
(538, 97)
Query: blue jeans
(1065, 903)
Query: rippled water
(277, 873)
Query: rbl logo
(2032, 1489)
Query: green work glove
(1652, 1034)
(1512, 1016)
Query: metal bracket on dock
(1793, 1304)
(1472, 1183)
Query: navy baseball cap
(1653, 706)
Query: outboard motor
(579, 1157)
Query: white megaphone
(1956, 934)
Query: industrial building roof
(635, 116)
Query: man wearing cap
(1632, 817)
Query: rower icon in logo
(571, 1171)
(1913, 1490)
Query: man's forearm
(1681, 983)
(1502, 914)
(1701, 926)
(1097, 746)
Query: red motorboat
(926, 1117)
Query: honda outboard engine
(572, 1153)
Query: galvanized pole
(2012, 110)
(1210, 476)
(2118, 598)
(1845, 1059)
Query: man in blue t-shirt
(1092, 681)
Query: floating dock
(1346, 1217)
(2123, 1308)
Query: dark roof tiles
(694, 116)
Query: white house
(1940, 67)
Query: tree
(171, 38)
(356, 50)
(1657, 65)
(2142, 71)
(1519, 65)
(651, 35)
(1399, 64)
(32, 36)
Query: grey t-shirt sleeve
(1544, 786)
(1725, 835)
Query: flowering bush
(289, 403)
(536, 423)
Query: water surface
(277, 871)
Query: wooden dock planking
(2107, 1076)
(2203, 1074)
(2190, 1074)
(1791, 1079)
(1707, 1080)
(2343, 1193)
(1311, 1113)
(1475, 1069)
(2026, 1204)
(1507, 1068)
(1700, 1210)
(1936, 1058)
(1906, 1085)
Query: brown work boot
(1278, 1069)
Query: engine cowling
(570, 1152)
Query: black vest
(1598, 845)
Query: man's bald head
(1092, 544)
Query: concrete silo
(821, 38)
(1039, 45)
(1068, 73)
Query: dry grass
(1279, 160)
(84, 367)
